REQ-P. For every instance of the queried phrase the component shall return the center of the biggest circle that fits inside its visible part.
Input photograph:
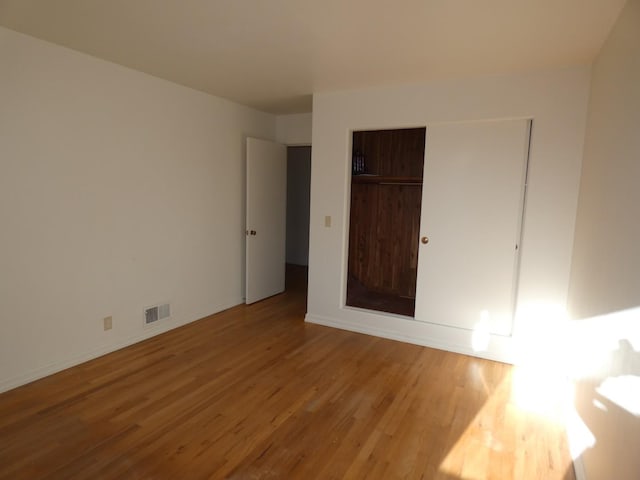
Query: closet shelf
(386, 179)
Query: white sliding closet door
(472, 204)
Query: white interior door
(472, 203)
(266, 218)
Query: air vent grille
(157, 312)
(163, 311)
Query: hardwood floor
(255, 393)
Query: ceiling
(273, 54)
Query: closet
(386, 194)
(436, 219)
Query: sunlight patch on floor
(570, 376)
(600, 359)
(507, 439)
(542, 392)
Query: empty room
(300, 239)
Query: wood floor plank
(255, 393)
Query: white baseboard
(578, 468)
(77, 359)
(72, 361)
(499, 354)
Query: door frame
(346, 224)
(244, 236)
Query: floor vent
(155, 313)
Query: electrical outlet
(108, 323)
(327, 221)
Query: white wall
(555, 100)
(294, 129)
(605, 280)
(118, 190)
(606, 269)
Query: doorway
(277, 218)
(298, 204)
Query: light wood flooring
(255, 393)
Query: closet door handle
(424, 240)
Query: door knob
(424, 240)
(253, 232)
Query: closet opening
(384, 222)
